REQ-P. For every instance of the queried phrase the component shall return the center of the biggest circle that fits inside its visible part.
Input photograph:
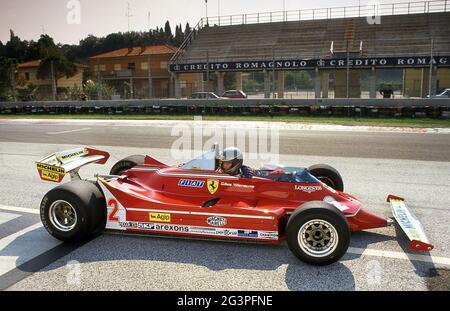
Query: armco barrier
(431, 108)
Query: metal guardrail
(420, 7)
(356, 102)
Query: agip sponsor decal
(160, 217)
(216, 221)
(191, 183)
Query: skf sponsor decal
(191, 183)
(308, 189)
(213, 186)
(217, 221)
(159, 217)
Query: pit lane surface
(373, 164)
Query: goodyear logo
(191, 183)
(51, 168)
(159, 217)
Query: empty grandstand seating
(405, 35)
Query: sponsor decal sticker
(308, 189)
(160, 217)
(213, 186)
(217, 221)
(247, 233)
(50, 168)
(191, 183)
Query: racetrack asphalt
(374, 164)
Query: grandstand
(409, 29)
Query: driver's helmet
(234, 156)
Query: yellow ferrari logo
(213, 186)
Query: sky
(29, 19)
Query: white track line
(71, 131)
(399, 255)
(19, 209)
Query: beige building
(27, 74)
(140, 71)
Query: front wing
(409, 224)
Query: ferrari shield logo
(213, 186)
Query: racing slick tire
(328, 175)
(318, 233)
(126, 164)
(74, 212)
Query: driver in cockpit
(231, 162)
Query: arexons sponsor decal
(191, 183)
(223, 232)
(308, 189)
(216, 221)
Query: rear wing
(409, 224)
(54, 167)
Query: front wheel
(318, 233)
(74, 211)
(328, 175)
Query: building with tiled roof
(138, 72)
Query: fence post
(393, 8)
(258, 18)
(409, 6)
(270, 16)
(314, 10)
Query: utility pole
(128, 15)
(52, 69)
(207, 73)
(430, 79)
(348, 71)
(148, 21)
(150, 79)
(13, 81)
(273, 74)
(206, 4)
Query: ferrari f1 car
(306, 207)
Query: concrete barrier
(431, 108)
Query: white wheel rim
(318, 238)
(62, 215)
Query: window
(163, 65)
(144, 66)
(117, 67)
(27, 76)
(100, 67)
(131, 66)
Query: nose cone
(365, 219)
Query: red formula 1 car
(307, 207)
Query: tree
(187, 30)
(61, 66)
(16, 48)
(179, 36)
(2, 49)
(168, 32)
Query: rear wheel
(74, 212)
(126, 164)
(318, 233)
(328, 175)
